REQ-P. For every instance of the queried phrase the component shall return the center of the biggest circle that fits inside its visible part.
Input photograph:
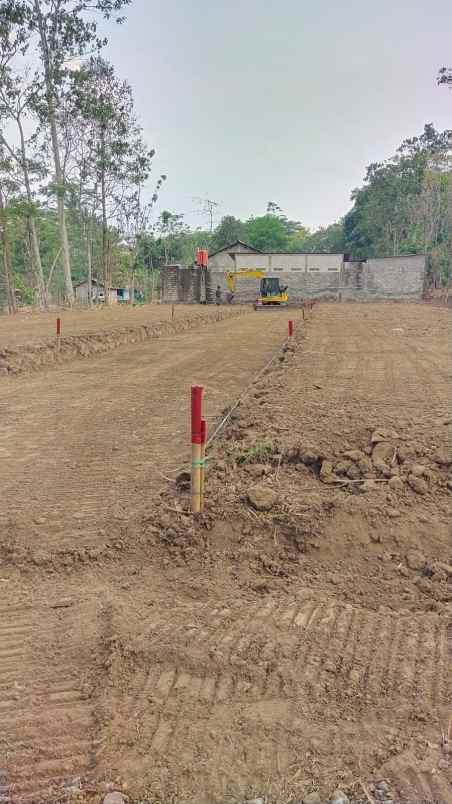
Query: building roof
(307, 253)
(95, 282)
(236, 243)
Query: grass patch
(260, 452)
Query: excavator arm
(232, 276)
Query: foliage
(405, 205)
(228, 231)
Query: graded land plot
(32, 327)
(298, 636)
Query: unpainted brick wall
(392, 278)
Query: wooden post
(58, 333)
(196, 447)
(172, 312)
(203, 459)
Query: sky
(288, 101)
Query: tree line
(76, 197)
(73, 161)
(403, 207)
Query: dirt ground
(32, 327)
(298, 635)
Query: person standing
(218, 296)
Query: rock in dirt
(446, 568)
(257, 469)
(383, 468)
(415, 560)
(309, 457)
(403, 453)
(339, 797)
(353, 472)
(417, 470)
(418, 484)
(115, 798)
(326, 470)
(312, 798)
(354, 455)
(342, 467)
(262, 498)
(443, 456)
(383, 435)
(365, 466)
(396, 484)
(383, 452)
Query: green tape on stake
(201, 463)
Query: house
(224, 259)
(98, 293)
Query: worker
(218, 295)
(229, 297)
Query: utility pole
(208, 208)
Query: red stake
(196, 448)
(290, 329)
(196, 407)
(58, 327)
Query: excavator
(271, 292)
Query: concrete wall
(306, 276)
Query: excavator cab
(272, 292)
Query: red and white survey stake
(290, 329)
(58, 333)
(196, 447)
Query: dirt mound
(47, 353)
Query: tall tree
(118, 161)
(266, 233)
(228, 231)
(63, 29)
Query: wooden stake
(203, 461)
(172, 312)
(58, 333)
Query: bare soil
(31, 343)
(33, 327)
(246, 653)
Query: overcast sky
(287, 101)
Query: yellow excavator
(271, 292)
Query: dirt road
(252, 654)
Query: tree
(5, 185)
(117, 160)
(405, 204)
(329, 239)
(292, 228)
(170, 227)
(16, 97)
(228, 231)
(63, 29)
(266, 233)
(445, 76)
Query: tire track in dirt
(47, 714)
